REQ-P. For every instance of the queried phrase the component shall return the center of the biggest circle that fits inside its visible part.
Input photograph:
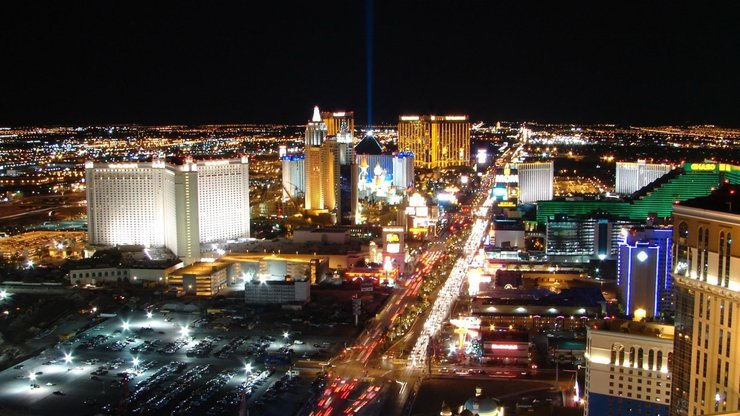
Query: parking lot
(174, 363)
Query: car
(38, 373)
(58, 393)
(18, 367)
(51, 384)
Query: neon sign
(509, 347)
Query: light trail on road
(452, 287)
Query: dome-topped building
(481, 406)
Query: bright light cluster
(452, 287)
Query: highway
(365, 382)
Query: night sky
(248, 61)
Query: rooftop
(725, 199)
(652, 329)
(201, 268)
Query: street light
(67, 358)
(149, 315)
(248, 367)
(135, 361)
(32, 377)
(286, 334)
(125, 326)
(184, 331)
(3, 294)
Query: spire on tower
(316, 114)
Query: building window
(651, 359)
(706, 253)
(721, 261)
(700, 253)
(659, 361)
(729, 315)
(728, 255)
(727, 344)
(632, 357)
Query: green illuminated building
(691, 181)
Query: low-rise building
(628, 368)
(540, 310)
(201, 278)
(277, 292)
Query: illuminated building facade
(435, 141)
(346, 156)
(321, 168)
(336, 121)
(586, 237)
(633, 176)
(628, 369)
(163, 205)
(535, 181)
(394, 249)
(131, 203)
(294, 175)
(691, 181)
(420, 217)
(506, 348)
(643, 271)
(385, 175)
(706, 273)
(212, 203)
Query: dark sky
(248, 61)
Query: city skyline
(194, 64)
(369, 208)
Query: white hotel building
(156, 204)
(535, 181)
(634, 176)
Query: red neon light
(504, 347)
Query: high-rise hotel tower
(157, 204)
(322, 167)
(336, 121)
(706, 273)
(535, 181)
(435, 141)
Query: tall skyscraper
(322, 168)
(158, 204)
(336, 120)
(314, 137)
(212, 203)
(706, 273)
(346, 154)
(435, 141)
(643, 271)
(294, 175)
(633, 176)
(628, 368)
(535, 181)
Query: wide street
(401, 376)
